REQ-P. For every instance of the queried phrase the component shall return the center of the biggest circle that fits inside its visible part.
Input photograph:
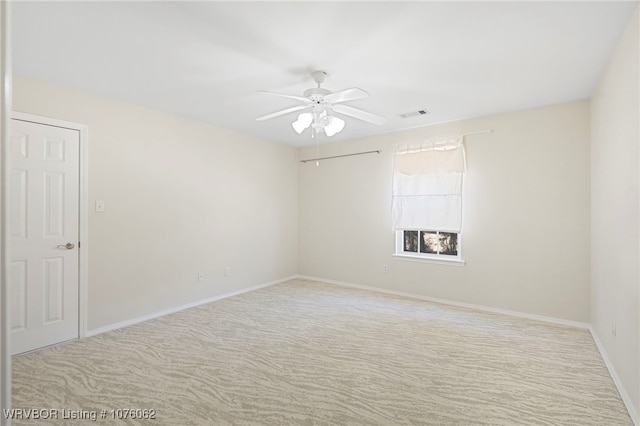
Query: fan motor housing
(316, 94)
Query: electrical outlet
(613, 329)
(227, 271)
(200, 276)
(385, 269)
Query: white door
(43, 226)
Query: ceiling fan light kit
(322, 101)
(318, 122)
(334, 126)
(304, 121)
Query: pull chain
(317, 148)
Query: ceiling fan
(322, 103)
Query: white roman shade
(427, 185)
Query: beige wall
(181, 197)
(525, 235)
(615, 252)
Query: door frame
(6, 88)
(83, 208)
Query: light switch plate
(99, 206)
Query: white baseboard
(542, 318)
(616, 379)
(147, 317)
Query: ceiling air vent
(414, 113)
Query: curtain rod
(378, 152)
(338, 156)
(477, 133)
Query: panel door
(43, 226)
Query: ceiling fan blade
(283, 112)
(346, 95)
(359, 114)
(284, 95)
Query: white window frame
(447, 259)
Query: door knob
(67, 246)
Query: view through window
(429, 243)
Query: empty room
(320, 213)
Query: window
(428, 244)
(427, 198)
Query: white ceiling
(207, 60)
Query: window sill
(449, 262)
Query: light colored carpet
(308, 353)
